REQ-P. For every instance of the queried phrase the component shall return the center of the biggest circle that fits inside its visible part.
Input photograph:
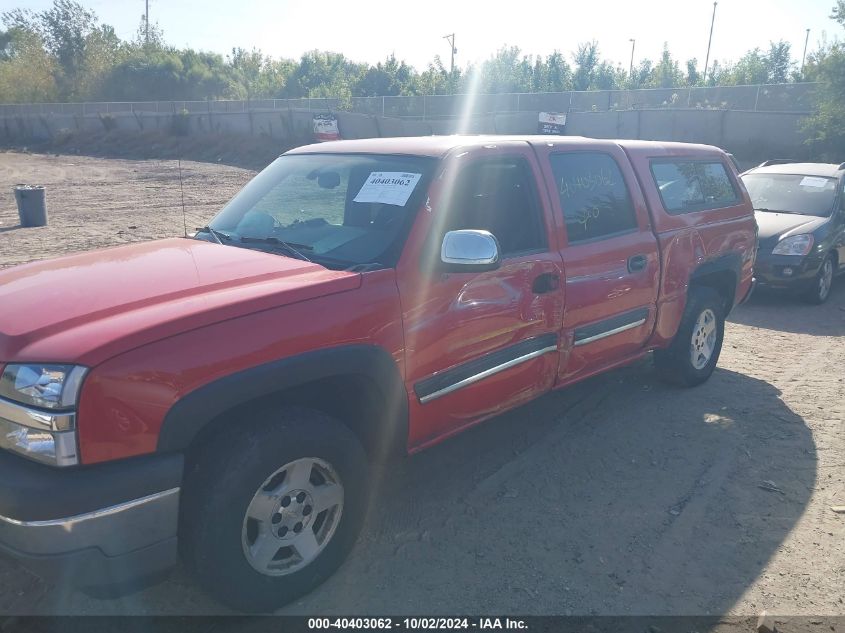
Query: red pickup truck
(225, 397)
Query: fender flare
(189, 415)
(729, 262)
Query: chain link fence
(796, 97)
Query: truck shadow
(616, 496)
(787, 313)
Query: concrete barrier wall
(752, 134)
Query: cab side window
(593, 196)
(690, 185)
(499, 195)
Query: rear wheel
(819, 291)
(694, 352)
(272, 507)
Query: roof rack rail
(777, 161)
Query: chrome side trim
(68, 522)
(486, 373)
(37, 418)
(115, 530)
(617, 330)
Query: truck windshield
(791, 193)
(339, 210)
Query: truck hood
(89, 307)
(774, 226)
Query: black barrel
(32, 204)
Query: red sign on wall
(325, 128)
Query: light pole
(147, 22)
(804, 56)
(451, 39)
(631, 67)
(709, 42)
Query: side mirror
(469, 251)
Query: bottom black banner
(564, 624)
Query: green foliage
(323, 74)
(667, 73)
(65, 29)
(827, 125)
(389, 78)
(65, 53)
(839, 12)
(27, 71)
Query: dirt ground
(617, 496)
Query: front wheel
(694, 352)
(272, 506)
(819, 291)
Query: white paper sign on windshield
(388, 187)
(812, 181)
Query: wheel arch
(722, 274)
(358, 384)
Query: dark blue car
(800, 211)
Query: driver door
(478, 343)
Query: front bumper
(106, 527)
(786, 271)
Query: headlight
(795, 245)
(38, 411)
(44, 386)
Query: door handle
(547, 282)
(637, 263)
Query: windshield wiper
(772, 210)
(288, 246)
(218, 236)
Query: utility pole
(631, 67)
(804, 56)
(451, 39)
(709, 42)
(147, 23)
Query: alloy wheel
(703, 339)
(292, 517)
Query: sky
(368, 30)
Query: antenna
(182, 193)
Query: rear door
(478, 343)
(609, 253)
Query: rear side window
(593, 195)
(687, 185)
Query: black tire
(225, 473)
(675, 364)
(819, 292)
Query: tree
(778, 62)
(26, 70)
(558, 73)
(101, 51)
(586, 60)
(253, 75)
(693, 76)
(667, 73)
(323, 74)
(641, 74)
(65, 29)
(507, 71)
(389, 78)
(434, 80)
(752, 68)
(151, 38)
(839, 12)
(826, 127)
